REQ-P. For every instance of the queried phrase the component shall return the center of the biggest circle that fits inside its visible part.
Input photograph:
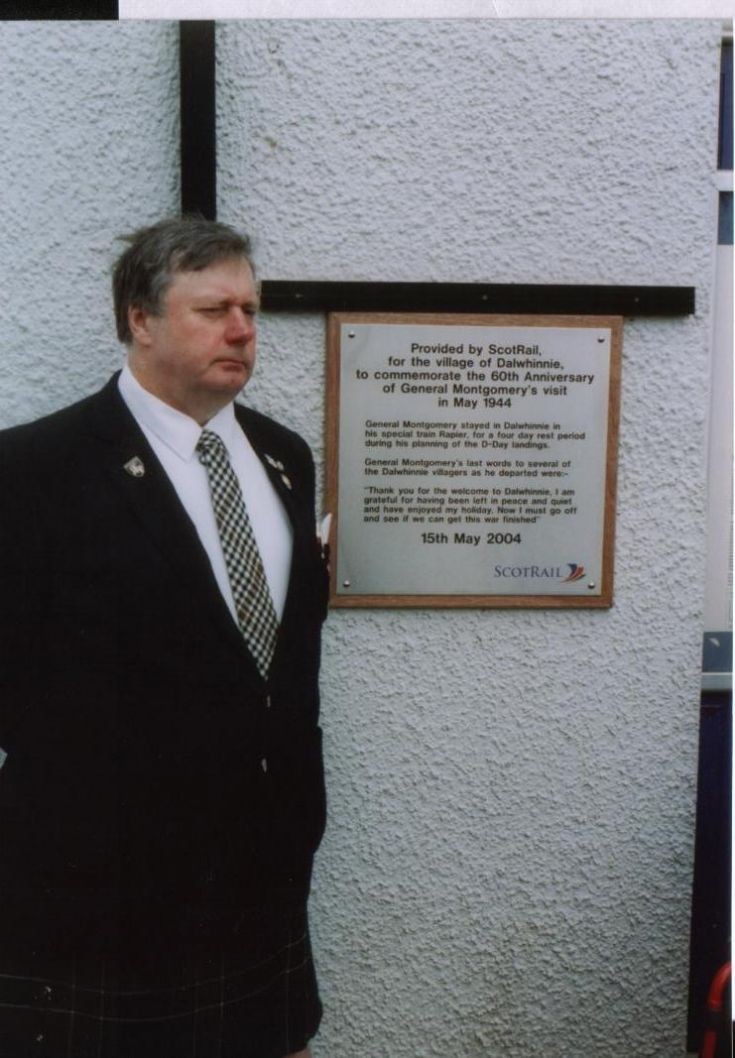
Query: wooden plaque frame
(604, 598)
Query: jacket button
(268, 702)
(264, 764)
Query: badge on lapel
(278, 465)
(135, 467)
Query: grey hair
(145, 269)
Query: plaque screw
(351, 334)
(591, 585)
(346, 583)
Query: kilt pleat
(252, 997)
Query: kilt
(247, 992)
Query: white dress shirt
(173, 436)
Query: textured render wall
(89, 133)
(508, 865)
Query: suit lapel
(280, 473)
(153, 501)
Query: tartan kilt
(244, 991)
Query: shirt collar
(177, 431)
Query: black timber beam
(198, 118)
(286, 295)
(60, 10)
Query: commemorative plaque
(471, 459)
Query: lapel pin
(135, 467)
(286, 481)
(275, 463)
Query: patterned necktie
(255, 611)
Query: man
(161, 793)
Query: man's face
(199, 352)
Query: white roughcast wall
(89, 128)
(507, 868)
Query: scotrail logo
(576, 574)
(546, 572)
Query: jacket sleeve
(21, 581)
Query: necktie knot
(209, 446)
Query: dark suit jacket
(152, 776)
